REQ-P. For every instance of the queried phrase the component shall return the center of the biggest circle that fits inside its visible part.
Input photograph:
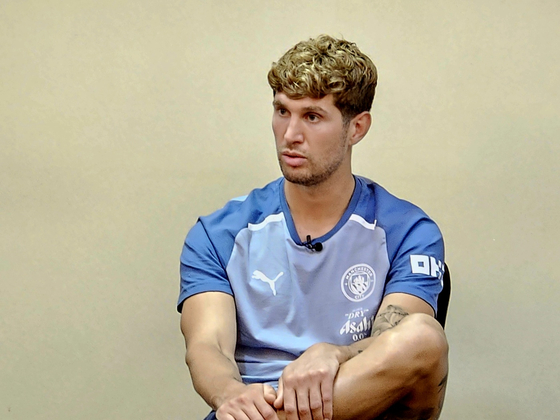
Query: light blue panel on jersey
(289, 297)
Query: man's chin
(295, 176)
(300, 180)
(305, 180)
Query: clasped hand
(253, 402)
(305, 389)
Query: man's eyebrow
(315, 108)
(311, 108)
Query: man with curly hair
(314, 297)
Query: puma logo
(262, 277)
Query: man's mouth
(293, 154)
(293, 159)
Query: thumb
(279, 401)
(269, 394)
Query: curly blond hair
(326, 65)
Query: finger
(290, 405)
(327, 399)
(253, 412)
(269, 394)
(316, 403)
(303, 405)
(225, 415)
(279, 401)
(266, 411)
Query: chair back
(443, 298)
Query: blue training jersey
(288, 296)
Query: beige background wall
(122, 121)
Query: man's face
(311, 139)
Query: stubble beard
(309, 177)
(315, 173)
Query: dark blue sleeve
(417, 264)
(201, 268)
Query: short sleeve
(417, 266)
(201, 268)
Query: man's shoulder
(386, 203)
(251, 208)
(396, 216)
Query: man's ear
(359, 126)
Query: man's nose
(294, 133)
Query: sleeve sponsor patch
(423, 264)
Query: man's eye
(282, 111)
(313, 117)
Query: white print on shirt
(262, 277)
(358, 324)
(422, 264)
(358, 282)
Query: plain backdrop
(122, 121)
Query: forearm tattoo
(387, 319)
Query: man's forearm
(390, 317)
(215, 376)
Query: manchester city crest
(358, 282)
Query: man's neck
(317, 209)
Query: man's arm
(404, 362)
(394, 308)
(306, 389)
(209, 326)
